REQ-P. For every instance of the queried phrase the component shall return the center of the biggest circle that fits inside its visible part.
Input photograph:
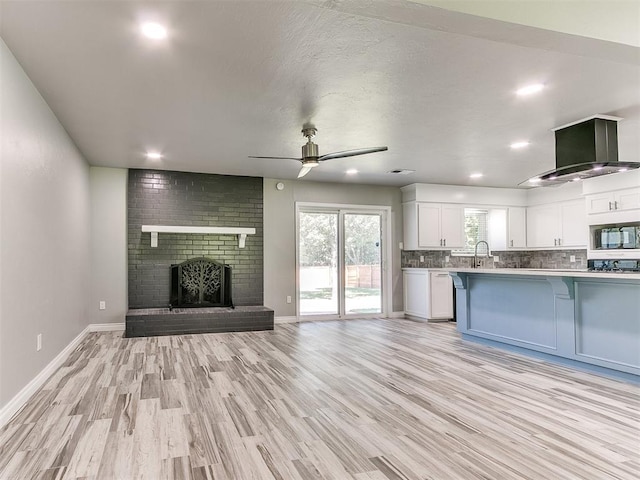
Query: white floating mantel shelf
(241, 232)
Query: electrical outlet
(572, 258)
(103, 305)
(496, 259)
(288, 298)
(39, 342)
(422, 258)
(401, 245)
(446, 259)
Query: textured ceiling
(240, 78)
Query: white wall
(108, 244)
(44, 226)
(280, 235)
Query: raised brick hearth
(146, 322)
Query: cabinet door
(575, 232)
(429, 225)
(627, 199)
(440, 295)
(452, 226)
(600, 203)
(517, 229)
(415, 293)
(410, 226)
(543, 226)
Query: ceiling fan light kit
(310, 154)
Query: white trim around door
(386, 254)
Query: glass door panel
(318, 263)
(362, 263)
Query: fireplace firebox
(201, 282)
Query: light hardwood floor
(356, 399)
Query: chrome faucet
(475, 253)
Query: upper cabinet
(516, 227)
(562, 224)
(433, 226)
(621, 200)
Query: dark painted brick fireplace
(191, 199)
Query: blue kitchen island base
(578, 319)
(555, 359)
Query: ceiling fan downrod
(309, 149)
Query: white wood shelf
(156, 229)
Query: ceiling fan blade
(278, 158)
(303, 171)
(351, 153)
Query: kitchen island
(580, 318)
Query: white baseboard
(106, 327)
(293, 319)
(396, 315)
(23, 396)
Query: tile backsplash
(508, 259)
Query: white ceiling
(239, 78)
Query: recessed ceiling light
(597, 167)
(577, 179)
(351, 171)
(153, 155)
(153, 30)
(535, 180)
(475, 175)
(623, 169)
(517, 145)
(530, 89)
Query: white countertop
(542, 272)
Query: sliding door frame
(385, 253)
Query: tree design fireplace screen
(201, 282)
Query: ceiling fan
(310, 157)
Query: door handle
(512, 243)
(610, 206)
(444, 242)
(555, 242)
(615, 204)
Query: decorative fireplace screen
(201, 282)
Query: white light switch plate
(103, 305)
(422, 258)
(572, 258)
(496, 258)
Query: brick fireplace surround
(190, 199)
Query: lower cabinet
(428, 294)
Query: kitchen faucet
(475, 253)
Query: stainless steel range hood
(584, 149)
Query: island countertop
(542, 272)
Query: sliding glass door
(318, 263)
(362, 263)
(340, 261)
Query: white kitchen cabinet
(428, 294)
(429, 225)
(574, 231)
(516, 227)
(433, 226)
(440, 225)
(562, 224)
(452, 226)
(621, 200)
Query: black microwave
(616, 237)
